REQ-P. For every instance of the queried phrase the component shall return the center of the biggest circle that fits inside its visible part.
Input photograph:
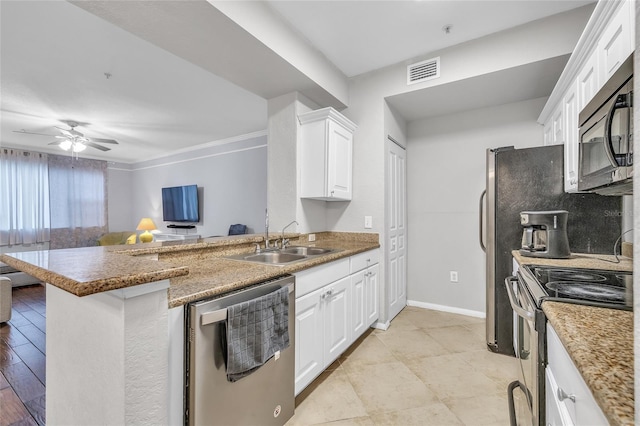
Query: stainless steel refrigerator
(533, 179)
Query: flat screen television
(180, 204)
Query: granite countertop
(600, 343)
(580, 260)
(90, 270)
(214, 275)
(196, 270)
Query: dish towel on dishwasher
(256, 330)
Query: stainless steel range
(527, 290)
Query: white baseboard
(381, 325)
(449, 309)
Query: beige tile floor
(428, 368)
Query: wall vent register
(423, 71)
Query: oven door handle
(515, 305)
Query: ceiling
(367, 35)
(60, 62)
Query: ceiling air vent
(423, 71)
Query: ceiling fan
(71, 139)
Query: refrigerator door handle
(481, 235)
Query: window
(77, 192)
(24, 197)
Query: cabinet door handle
(562, 395)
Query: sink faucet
(266, 228)
(286, 241)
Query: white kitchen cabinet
(557, 126)
(309, 338)
(371, 289)
(323, 329)
(569, 400)
(556, 412)
(570, 120)
(335, 304)
(365, 271)
(589, 81)
(337, 319)
(358, 322)
(616, 42)
(548, 133)
(606, 42)
(325, 155)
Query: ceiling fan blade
(31, 133)
(95, 145)
(65, 132)
(104, 140)
(55, 143)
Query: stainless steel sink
(306, 251)
(282, 256)
(274, 257)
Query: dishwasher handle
(221, 314)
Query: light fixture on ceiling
(75, 146)
(71, 139)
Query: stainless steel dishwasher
(265, 397)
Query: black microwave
(605, 163)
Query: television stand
(181, 226)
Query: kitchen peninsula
(115, 321)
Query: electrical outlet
(453, 276)
(368, 222)
(312, 237)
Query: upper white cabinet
(570, 115)
(616, 43)
(604, 45)
(588, 80)
(326, 149)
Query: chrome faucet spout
(286, 241)
(266, 228)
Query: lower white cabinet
(337, 302)
(323, 329)
(568, 398)
(309, 339)
(337, 319)
(364, 285)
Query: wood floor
(22, 359)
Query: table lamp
(146, 225)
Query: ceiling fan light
(79, 147)
(66, 145)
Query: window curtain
(24, 197)
(78, 197)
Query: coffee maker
(545, 234)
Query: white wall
(446, 163)
(231, 179)
(120, 197)
(536, 41)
